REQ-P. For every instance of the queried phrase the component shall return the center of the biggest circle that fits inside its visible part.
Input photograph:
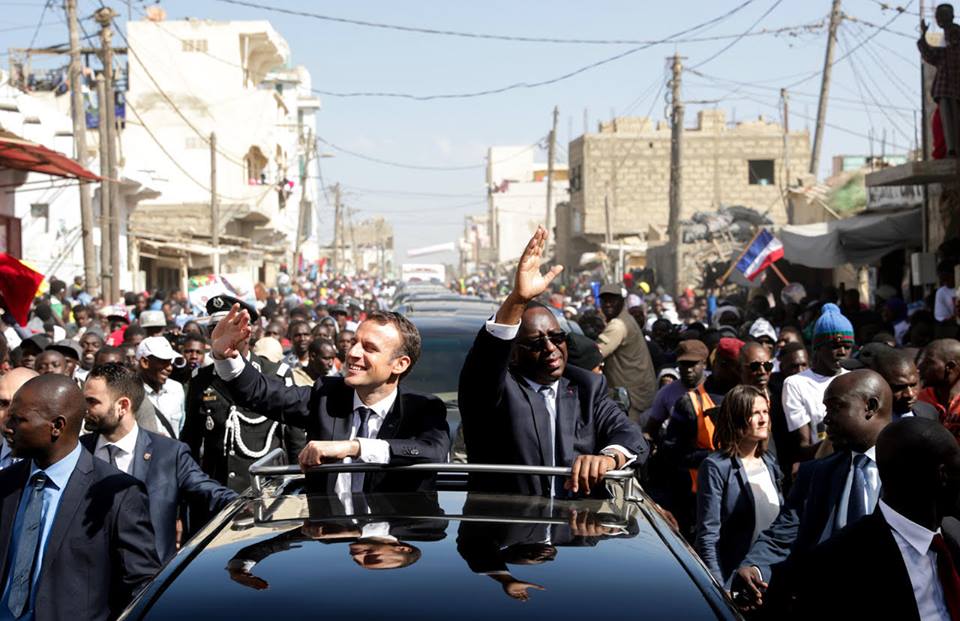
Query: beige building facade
(625, 168)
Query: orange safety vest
(701, 403)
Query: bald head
(919, 463)
(858, 406)
(55, 395)
(939, 364)
(944, 349)
(10, 383)
(44, 419)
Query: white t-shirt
(803, 400)
(943, 304)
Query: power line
(378, 160)
(43, 13)
(739, 37)
(528, 85)
(463, 34)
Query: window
(41, 211)
(194, 45)
(760, 172)
(575, 178)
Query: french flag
(764, 250)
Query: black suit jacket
(415, 428)
(858, 574)
(100, 551)
(172, 478)
(807, 516)
(506, 422)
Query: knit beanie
(831, 326)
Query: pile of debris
(736, 222)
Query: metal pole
(676, 174)
(925, 117)
(214, 205)
(336, 229)
(304, 204)
(786, 152)
(551, 152)
(90, 280)
(106, 276)
(835, 16)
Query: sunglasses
(756, 366)
(540, 344)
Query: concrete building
(626, 166)
(189, 79)
(476, 250)
(517, 198)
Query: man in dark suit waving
(521, 404)
(364, 416)
(75, 535)
(114, 394)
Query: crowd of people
(779, 435)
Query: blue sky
(875, 89)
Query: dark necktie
(549, 456)
(947, 573)
(363, 431)
(857, 507)
(21, 578)
(112, 450)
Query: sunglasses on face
(756, 366)
(540, 344)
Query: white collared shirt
(871, 493)
(507, 332)
(372, 450)
(126, 446)
(921, 562)
(169, 401)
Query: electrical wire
(741, 36)
(378, 160)
(43, 13)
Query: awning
(860, 240)
(20, 154)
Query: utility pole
(835, 17)
(90, 280)
(924, 141)
(354, 255)
(337, 229)
(104, 17)
(106, 276)
(551, 152)
(214, 205)
(676, 162)
(304, 203)
(786, 152)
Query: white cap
(158, 347)
(762, 327)
(153, 319)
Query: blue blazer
(807, 517)
(725, 512)
(100, 551)
(172, 478)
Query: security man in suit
(76, 540)
(901, 372)
(165, 466)
(365, 416)
(898, 562)
(224, 436)
(522, 404)
(829, 493)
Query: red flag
(18, 286)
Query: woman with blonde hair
(738, 485)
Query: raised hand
(229, 333)
(529, 282)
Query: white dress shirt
(870, 494)
(921, 562)
(508, 332)
(126, 447)
(170, 402)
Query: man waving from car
(522, 404)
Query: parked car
(284, 551)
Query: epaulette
(282, 369)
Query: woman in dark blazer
(738, 485)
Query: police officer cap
(219, 305)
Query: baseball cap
(269, 348)
(153, 319)
(611, 289)
(159, 347)
(692, 350)
(67, 347)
